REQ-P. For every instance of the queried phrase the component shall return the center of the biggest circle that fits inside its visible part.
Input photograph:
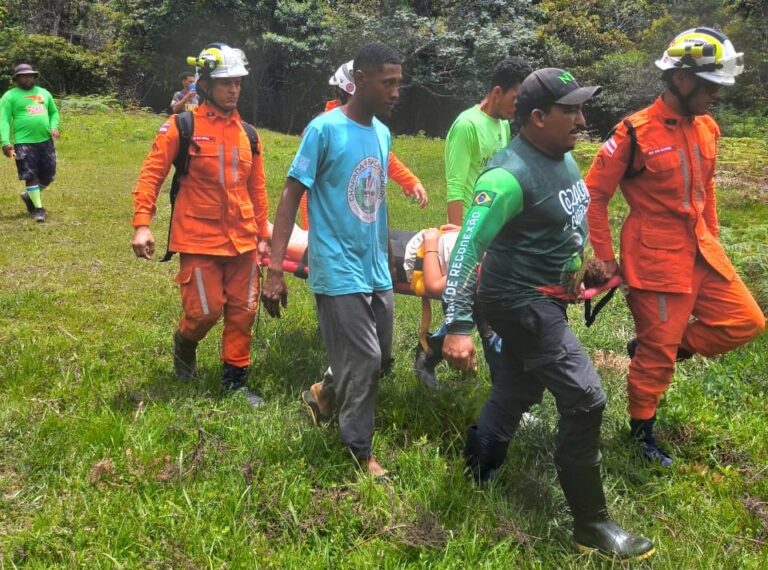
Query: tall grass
(107, 461)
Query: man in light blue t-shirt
(342, 164)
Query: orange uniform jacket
(672, 202)
(222, 203)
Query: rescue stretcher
(296, 262)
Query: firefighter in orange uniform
(219, 223)
(396, 170)
(663, 159)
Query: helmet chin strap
(684, 100)
(209, 99)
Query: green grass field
(106, 461)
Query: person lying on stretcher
(426, 263)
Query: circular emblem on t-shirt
(365, 192)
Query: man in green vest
(529, 214)
(29, 112)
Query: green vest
(542, 247)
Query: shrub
(64, 67)
(89, 104)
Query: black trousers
(540, 351)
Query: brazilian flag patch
(485, 198)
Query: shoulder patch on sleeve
(610, 146)
(302, 163)
(164, 128)
(485, 198)
(599, 162)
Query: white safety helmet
(707, 53)
(343, 78)
(219, 61)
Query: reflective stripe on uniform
(201, 291)
(663, 308)
(699, 187)
(686, 177)
(221, 164)
(235, 158)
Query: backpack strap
(253, 137)
(632, 132)
(185, 125)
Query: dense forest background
(133, 50)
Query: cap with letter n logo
(551, 85)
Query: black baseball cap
(551, 85)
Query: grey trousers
(357, 333)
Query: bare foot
(374, 469)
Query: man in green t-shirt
(29, 123)
(478, 134)
(528, 217)
(475, 137)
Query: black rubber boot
(483, 457)
(184, 357)
(593, 530)
(425, 362)
(233, 379)
(641, 433)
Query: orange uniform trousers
(725, 314)
(212, 285)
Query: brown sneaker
(310, 398)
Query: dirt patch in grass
(192, 462)
(506, 528)
(10, 481)
(734, 457)
(678, 436)
(102, 473)
(610, 361)
(175, 557)
(758, 510)
(15, 513)
(425, 531)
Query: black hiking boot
(641, 433)
(425, 362)
(28, 203)
(593, 530)
(40, 215)
(233, 379)
(483, 457)
(184, 357)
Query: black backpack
(185, 124)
